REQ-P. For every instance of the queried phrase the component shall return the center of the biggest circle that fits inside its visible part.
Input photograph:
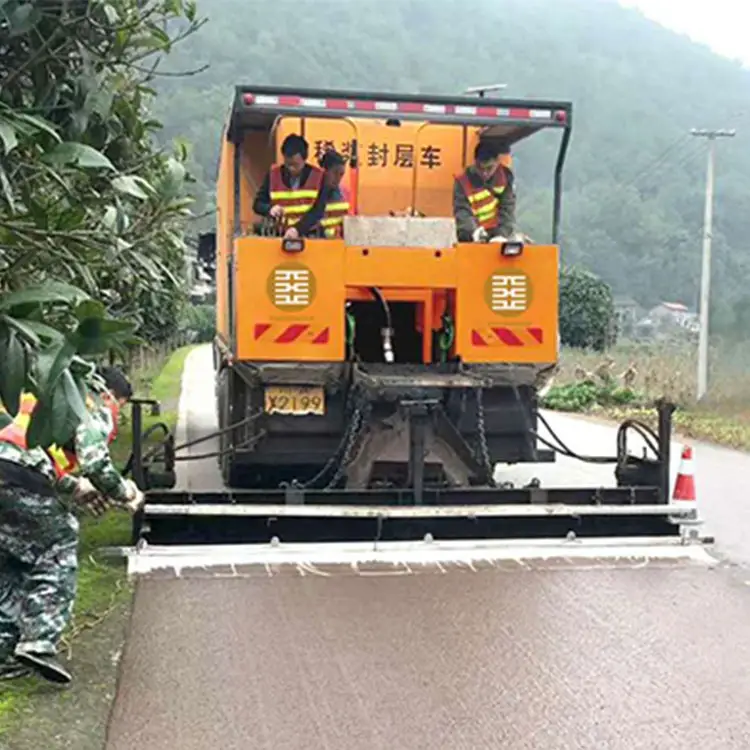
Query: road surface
(500, 655)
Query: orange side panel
(401, 267)
(256, 159)
(410, 165)
(224, 231)
(290, 306)
(506, 308)
(440, 150)
(386, 166)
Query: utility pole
(711, 135)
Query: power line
(658, 161)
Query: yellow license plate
(295, 401)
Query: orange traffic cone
(684, 493)
(684, 487)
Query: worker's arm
(314, 214)
(262, 202)
(466, 222)
(95, 461)
(507, 211)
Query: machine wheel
(231, 473)
(224, 414)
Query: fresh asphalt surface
(549, 656)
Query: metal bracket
(418, 413)
(294, 495)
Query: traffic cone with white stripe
(684, 495)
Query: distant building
(668, 318)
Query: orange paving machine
(368, 384)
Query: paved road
(499, 655)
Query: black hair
(294, 145)
(332, 159)
(116, 382)
(486, 151)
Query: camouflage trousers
(38, 570)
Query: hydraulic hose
(387, 332)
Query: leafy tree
(92, 211)
(587, 313)
(44, 333)
(86, 196)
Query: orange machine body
(291, 306)
(279, 306)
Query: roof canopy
(257, 107)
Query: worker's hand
(480, 235)
(276, 212)
(499, 238)
(135, 496)
(86, 496)
(291, 234)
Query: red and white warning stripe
(286, 101)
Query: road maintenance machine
(368, 385)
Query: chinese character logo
(291, 287)
(508, 293)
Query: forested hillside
(633, 201)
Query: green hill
(633, 200)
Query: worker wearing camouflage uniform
(39, 531)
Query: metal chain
(356, 424)
(483, 438)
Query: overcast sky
(724, 25)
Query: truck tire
(229, 473)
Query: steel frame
(295, 514)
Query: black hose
(145, 436)
(565, 451)
(648, 435)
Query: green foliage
(86, 197)
(582, 396)
(200, 320)
(587, 314)
(92, 211)
(45, 359)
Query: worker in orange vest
(289, 189)
(332, 203)
(484, 200)
(39, 531)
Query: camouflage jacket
(92, 452)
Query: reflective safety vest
(64, 461)
(332, 222)
(294, 201)
(485, 201)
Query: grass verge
(102, 584)
(625, 383)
